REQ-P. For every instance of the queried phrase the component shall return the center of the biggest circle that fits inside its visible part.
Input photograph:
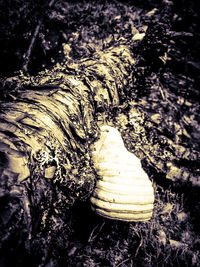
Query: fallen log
(47, 124)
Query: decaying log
(52, 117)
(46, 129)
(47, 124)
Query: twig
(27, 55)
(92, 237)
(30, 48)
(122, 262)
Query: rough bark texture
(46, 129)
(47, 124)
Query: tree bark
(47, 124)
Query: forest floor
(75, 30)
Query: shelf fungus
(123, 190)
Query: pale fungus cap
(124, 191)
